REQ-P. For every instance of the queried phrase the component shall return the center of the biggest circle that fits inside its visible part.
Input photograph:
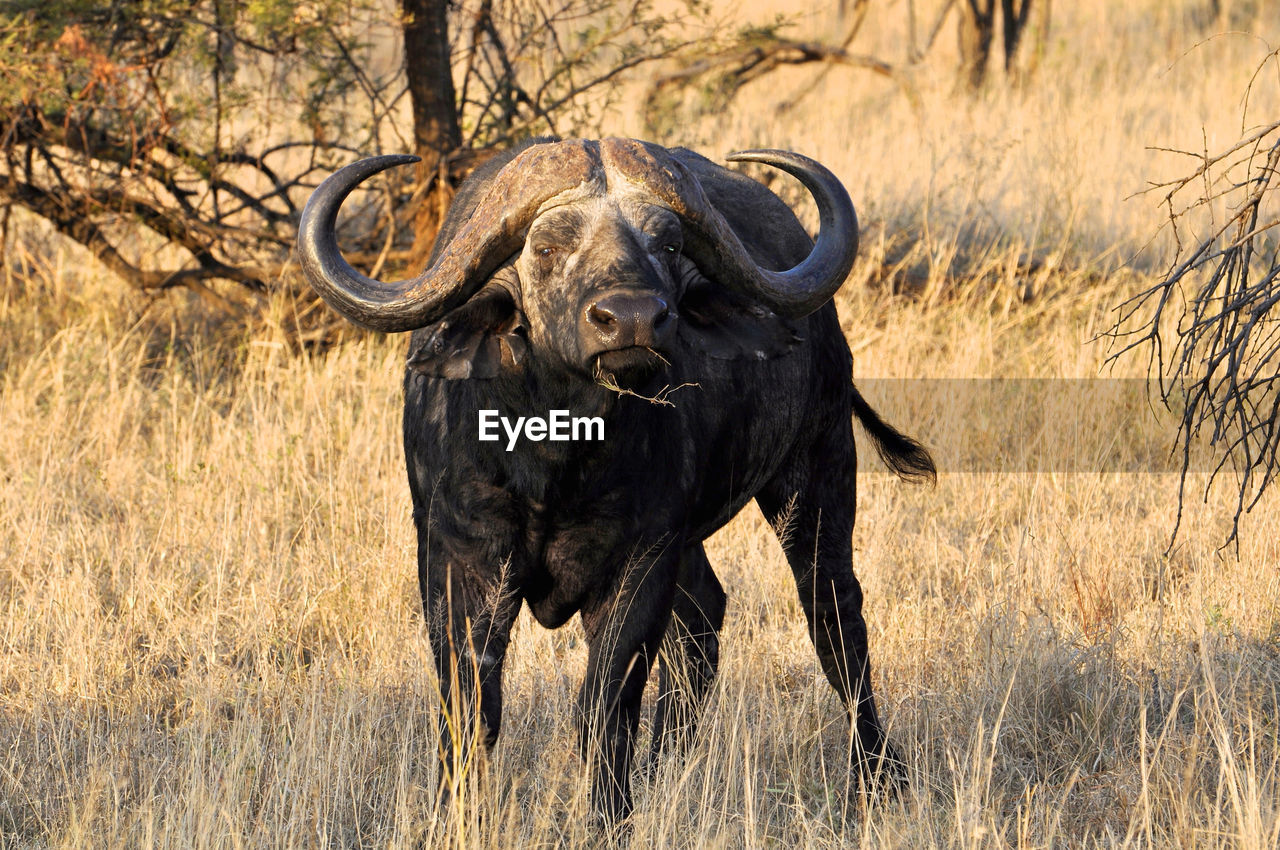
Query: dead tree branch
(725, 72)
(1209, 327)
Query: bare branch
(62, 213)
(1219, 366)
(737, 66)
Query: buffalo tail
(908, 459)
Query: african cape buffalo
(684, 305)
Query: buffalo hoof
(879, 776)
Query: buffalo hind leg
(469, 617)
(624, 631)
(811, 505)
(690, 655)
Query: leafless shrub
(1209, 327)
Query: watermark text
(556, 426)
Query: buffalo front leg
(469, 613)
(811, 507)
(690, 655)
(624, 630)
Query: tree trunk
(1021, 58)
(977, 32)
(976, 29)
(436, 133)
(1014, 18)
(1222, 13)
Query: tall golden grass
(211, 634)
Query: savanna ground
(211, 634)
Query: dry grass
(211, 635)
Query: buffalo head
(598, 256)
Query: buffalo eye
(669, 248)
(546, 257)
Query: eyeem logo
(559, 426)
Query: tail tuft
(908, 459)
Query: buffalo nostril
(660, 318)
(601, 315)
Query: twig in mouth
(610, 382)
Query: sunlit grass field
(211, 633)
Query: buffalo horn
(803, 289)
(487, 239)
(716, 249)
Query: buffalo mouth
(630, 368)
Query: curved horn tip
(330, 194)
(786, 160)
(795, 164)
(374, 164)
(808, 286)
(750, 155)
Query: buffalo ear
(481, 339)
(725, 325)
